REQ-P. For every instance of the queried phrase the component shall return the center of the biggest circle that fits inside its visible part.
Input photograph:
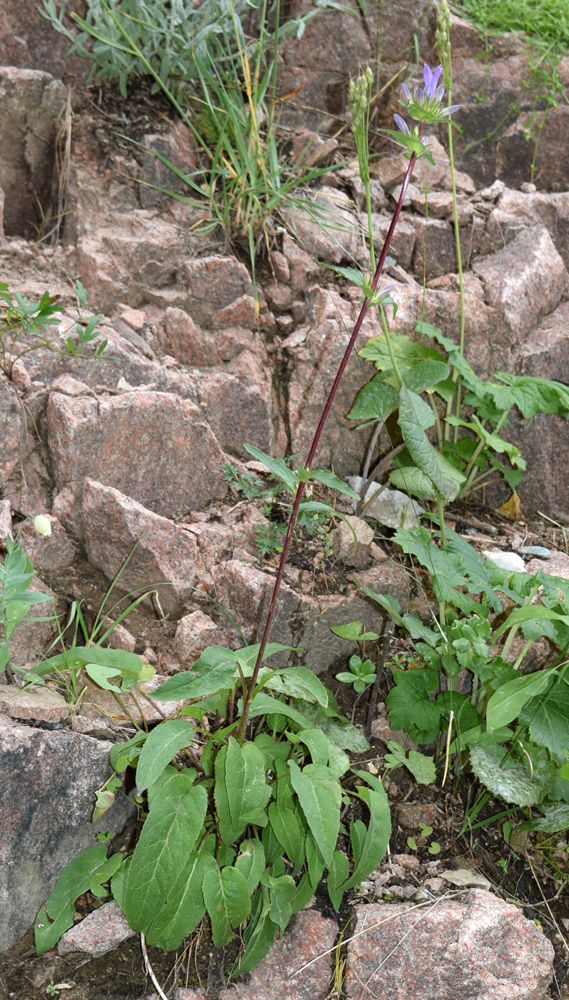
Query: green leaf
(57, 915)
(422, 768)
(277, 466)
(298, 682)
(288, 832)
(548, 719)
(282, 893)
(374, 400)
(227, 901)
(338, 871)
(409, 705)
(251, 862)
(525, 781)
(320, 794)
(328, 478)
(100, 675)
(317, 743)
(265, 705)
(259, 935)
(241, 792)
(507, 702)
(161, 746)
(314, 860)
(530, 612)
(185, 686)
(421, 376)
(171, 829)
(418, 444)
(374, 844)
(406, 351)
(555, 820)
(184, 907)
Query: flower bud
(42, 524)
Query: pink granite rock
(471, 947)
(194, 633)
(153, 446)
(98, 932)
(166, 555)
(309, 936)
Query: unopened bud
(42, 524)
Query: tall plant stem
(314, 447)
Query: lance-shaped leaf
(507, 702)
(227, 901)
(374, 845)
(160, 747)
(169, 834)
(251, 862)
(57, 915)
(184, 907)
(319, 794)
(418, 444)
(241, 792)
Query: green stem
(470, 468)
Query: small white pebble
(509, 561)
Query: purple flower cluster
(425, 104)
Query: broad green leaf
(358, 831)
(241, 792)
(405, 350)
(317, 743)
(319, 793)
(298, 682)
(536, 395)
(188, 685)
(413, 482)
(57, 915)
(265, 705)
(185, 906)
(314, 860)
(251, 862)
(338, 871)
(338, 730)
(376, 838)
(409, 705)
(338, 761)
(529, 612)
(282, 894)
(447, 568)
(259, 935)
(277, 466)
(507, 702)
(548, 719)
(525, 781)
(555, 820)
(101, 676)
(288, 832)
(374, 400)
(421, 376)
(353, 631)
(334, 482)
(422, 768)
(227, 901)
(161, 746)
(418, 444)
(171, 829)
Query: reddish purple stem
(314, 446)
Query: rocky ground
(130, 450)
